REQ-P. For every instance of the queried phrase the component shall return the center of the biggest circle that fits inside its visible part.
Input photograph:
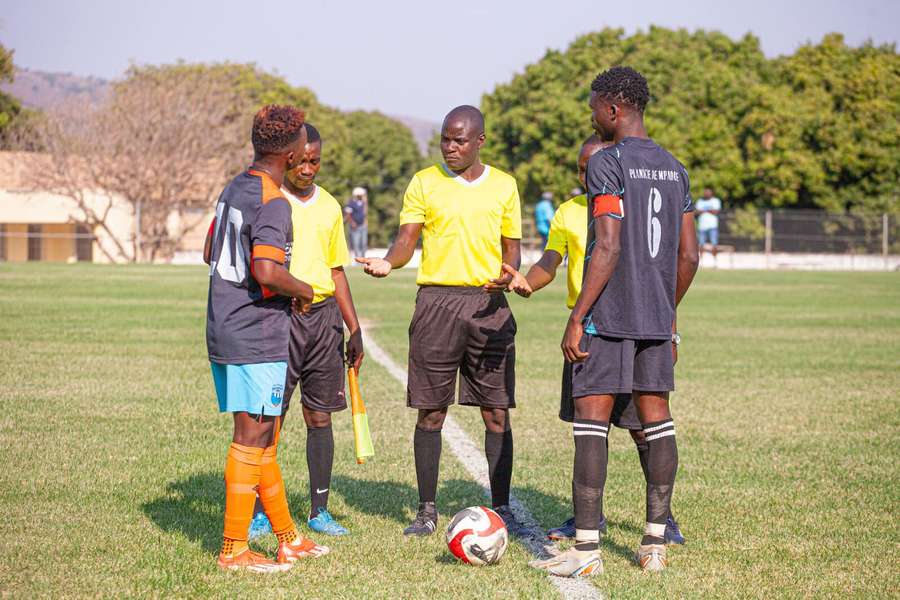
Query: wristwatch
(676, 338)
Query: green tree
(359, 148)
(819, 128)
(842, 127)
(9, 106)
(381, 157)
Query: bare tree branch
(166, 140)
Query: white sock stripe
(655, 529)
(588, 426)
(661, 434)
(595, 433)
(588, 535)
(660, 426)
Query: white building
(40, 225)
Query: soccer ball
(477, 536)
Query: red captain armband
(608, 204)
(211, 227)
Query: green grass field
(111, 448)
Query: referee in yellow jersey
(470, 220)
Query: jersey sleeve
(556, 239)
(511, 225)
(338, 254)
(605, 185)
(688, 203)
(413, 210)
(270, 231)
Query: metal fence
(796, 231)
(809, 232)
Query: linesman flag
(362, 439)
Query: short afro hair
(622, 84)
(312, 134)
(275, 128)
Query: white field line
(472, 458)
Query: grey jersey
(245, 322)
(641, 184)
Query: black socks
(588, 479)
(319, 461)
(498, 449)
(662, 464)
(427, 450)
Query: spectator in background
(356, 216)
(707, 210)
(543, 215)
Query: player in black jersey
(641, 257)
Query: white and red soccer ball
(477, 536)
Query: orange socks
(274, 499)
(242, 478)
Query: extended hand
(500, 284)
(518, 284)
(376, 267)
(572, 341)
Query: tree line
(819, 128)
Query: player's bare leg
(590, 429)
(662, 465)
(427, 451)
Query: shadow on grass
(547, 508)
(398, 501)
(194, 506)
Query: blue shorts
(254, 388)
(708, 236)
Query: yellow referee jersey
(568, 235)
(462, 223)
(319, 243)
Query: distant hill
(39, 89)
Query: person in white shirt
(708, 209)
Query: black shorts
(624, 413)
(621, 366)
(464, 330)
(316, 358)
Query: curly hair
(275, 127)
(622, 84)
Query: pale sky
(401, 57)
